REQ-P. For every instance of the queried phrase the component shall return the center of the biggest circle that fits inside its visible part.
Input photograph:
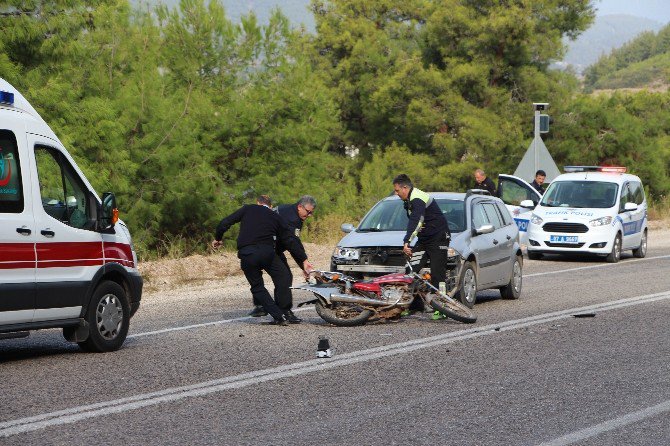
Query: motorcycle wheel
(343, 315)
(453, 309)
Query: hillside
(644, 62)
(607, 33)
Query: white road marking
(609, 425)
(245, 318)
(79, 413)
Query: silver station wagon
(485, 241)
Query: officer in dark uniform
(537, 183)
(428, 224)
(260, 226)
(484, 182)
(294, 215)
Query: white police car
(589, 209)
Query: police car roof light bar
(608, 169)
(6, 97)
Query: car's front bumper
(597, 240)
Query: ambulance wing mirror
(527, 204)
(109, 213)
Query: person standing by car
(484, 182)
(537, 183)
(428, 224)
(294, 215)
(260, 226)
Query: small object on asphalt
(241, 335)
(584, 315)
(323, 350)
(497, 329)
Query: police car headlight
(602, 221)
(346, 253)
(535, 219)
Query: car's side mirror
(630, 207)
(109, 213)
(484, 229)
(527, 204)
(347, 228)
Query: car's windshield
(580, 194)
(390, 215)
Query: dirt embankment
(223, 266)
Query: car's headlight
(602, 221)
(535, 219)
(451, 252)
(346, 253)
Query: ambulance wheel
(641, 251)
(108, 318)
(615, 255)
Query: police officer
(294, 215)
(428, 224)
(537, 183)
(259, 227)
(484, 182)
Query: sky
(658, 10)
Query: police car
(590, 209)
(66, 260)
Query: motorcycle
(345, 301)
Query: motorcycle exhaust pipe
(347, 298)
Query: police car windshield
(580, 194)
(390, 215)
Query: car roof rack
(477, 192)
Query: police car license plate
(564, 239)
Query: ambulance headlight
(535, 219)
(602, 221)
(346, 253)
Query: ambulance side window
(11, 186)
(63, 194)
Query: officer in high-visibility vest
(428, 224)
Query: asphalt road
(194, 370)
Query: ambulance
(590, 209)
(66, 260)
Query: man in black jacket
(537, 183)
(260, 226)
(484, 182)
(294, 215)
(428, 224)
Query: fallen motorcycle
(345, 301)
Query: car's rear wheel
(513, 288)
(641, 251)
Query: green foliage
(186, 115)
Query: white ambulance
(590, 209)
(66, 261)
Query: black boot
(258, 311)
(291, 318)
(282, 322)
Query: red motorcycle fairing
(374, 285)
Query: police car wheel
(615, 255)
(108, 318)
(513, 289)
(641, 251)
(468, 283)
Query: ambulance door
(69, 250)
(17, 229)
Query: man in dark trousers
(428, 224)
(294, 215)
(260, 226)
(537, 183)
(484, 182)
